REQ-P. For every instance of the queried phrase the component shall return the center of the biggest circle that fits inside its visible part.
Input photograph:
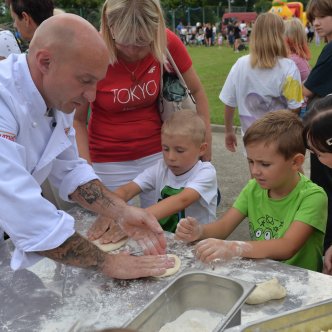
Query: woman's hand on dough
(188, 230)
(211, 249)
(125, 266)
(327, 268)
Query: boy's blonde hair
(134, 22)
(282, 127)
(318, 8)
(267, 42)
(296, 38)
(185, 123)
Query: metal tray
(195, 290)
(312, 318)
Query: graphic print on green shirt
(169, 223)
(267, 228)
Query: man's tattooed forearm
(92, 192)
(77, 251)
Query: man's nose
(90, 94)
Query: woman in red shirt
(123, 134)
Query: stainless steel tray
(195, 290)
(308, 319)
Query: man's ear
(43, 60)
(26, 18)
(298, 160)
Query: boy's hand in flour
(188, 230)
(211, 249)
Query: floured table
(53, 297)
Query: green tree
(89, 9)
(262, 6)
(78, 3)
(5, 19)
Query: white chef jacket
(34, 147)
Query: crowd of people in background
(231, 33)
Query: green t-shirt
(170, 223)
(270, 218)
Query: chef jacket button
(34, 124)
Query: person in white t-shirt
(184, 185)
(8, 44)
(263, 81)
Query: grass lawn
(213, 65)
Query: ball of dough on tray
(266, 291)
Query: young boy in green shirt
(285, 210)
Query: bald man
(38, 94)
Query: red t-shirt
(125, 123)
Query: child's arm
(189, 230)
(174, 204)
(278, 249)
(230, 137)
(128, 191)
(328, 261)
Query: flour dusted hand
(211, 249)
(266, 291)
(188, 230)
(106, 230)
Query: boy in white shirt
(184, 185)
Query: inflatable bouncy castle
(288, 10)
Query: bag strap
(179, 75)
(161, 82)
(177, 71)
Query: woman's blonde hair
(134, 22)
(296, 39)
(267, 41)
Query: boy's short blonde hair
(267, 41)
(318, 8)
(282, 127)
(134, 22)
(185, 123)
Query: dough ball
(173, 269)
(110, 246)
(266, 291)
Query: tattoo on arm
(93, 192)
(77, 251)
